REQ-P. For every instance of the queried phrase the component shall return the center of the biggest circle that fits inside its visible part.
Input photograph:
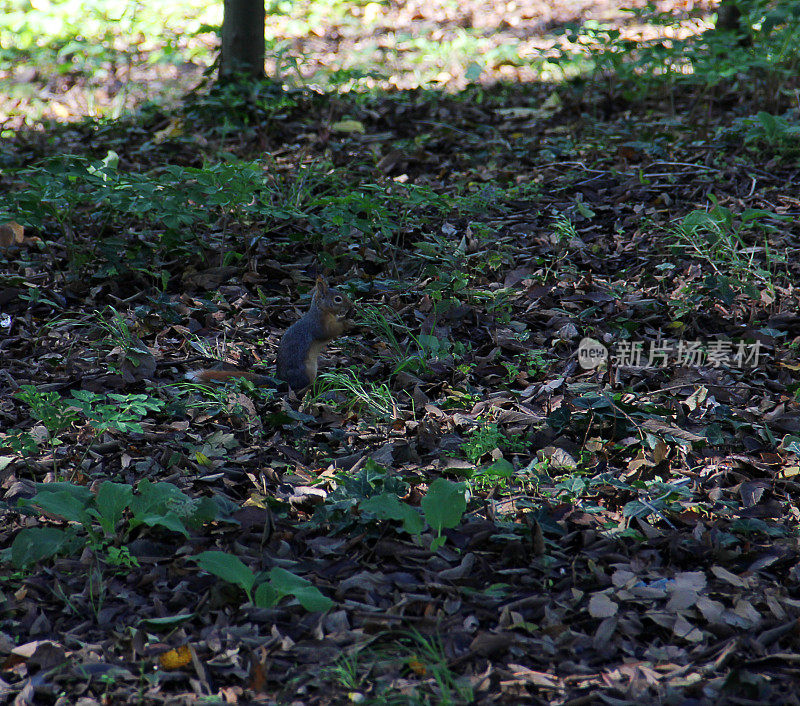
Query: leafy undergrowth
(458, 511)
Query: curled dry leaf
(175, 658)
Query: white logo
(591, 353)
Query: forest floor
(461, 510)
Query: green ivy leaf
(36, 543)
(390, 507)
(444, 504)
(111, 501)
(69, 503)
(501, 468)
(289, 584)
(169, 520)
(265, 596)
(229, 568)
(154, 499)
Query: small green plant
(410, 351)
(564, 230)
(35, 297)
(233, 398)
(445, 263)
(565, 237)
(534, 361)
(97, 520)
(717, 236)
(346, 671)
(487, 437)
(497, 302)
(426, 657)
(660, 499)
(374, 494)
(122, 413)
(350, 489)
(119, 336)
(394, 333)
(213, 449)
(434, 347)
(775, 131)
(442, 508)
(496, 474)
(373, 399)
(101, 413)
(52, 411)
(263, 591)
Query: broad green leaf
(265, 596)
(572, 484)
(593, 402)
(444, 504)
(227, 567)
(169, 520)
(584, 210)
(312, 599)
(289, 584)
(81, 492)
(63, 503)
(286, 582)
(789, 443)
(205, 510)
(154, 498)
(636, 509)
(36, 543)
(438, 542)
(501, 468)
(390, 507)
(111, 501)
(473, 72)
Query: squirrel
(300, 346)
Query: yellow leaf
(552, 104)
(348, 126)
(177, 658)
(372, 12)
(174, 129)
(417, 667)
(60, 110)
(256, 500)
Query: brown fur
(301, 344)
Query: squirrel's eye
(337, 299)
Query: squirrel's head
(330, 299)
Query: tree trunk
(728, 16)
(729, 19)
(243, 39)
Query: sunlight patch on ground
(69, 60)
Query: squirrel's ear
(322, 285)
